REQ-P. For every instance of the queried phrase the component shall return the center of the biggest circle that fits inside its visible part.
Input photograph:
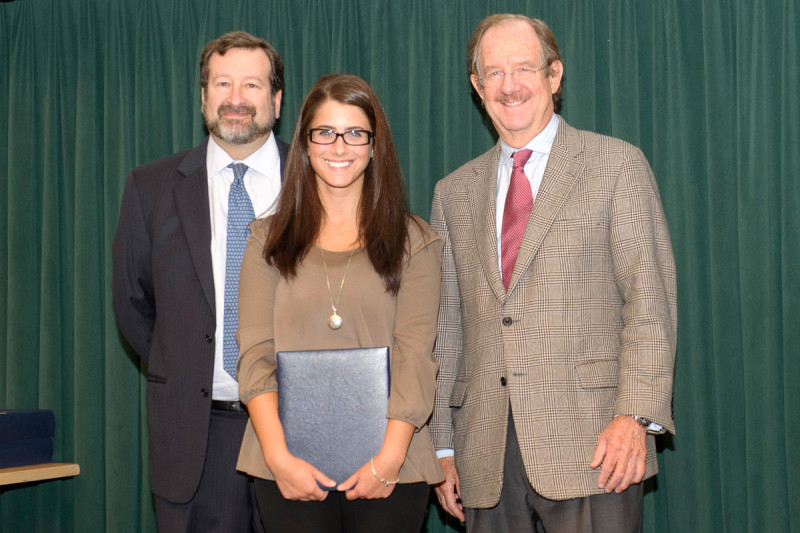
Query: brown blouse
(280, 315)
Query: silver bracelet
(379, 478)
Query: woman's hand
(364, 484)
(298, 479)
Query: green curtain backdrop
(709, 89)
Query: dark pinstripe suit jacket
(586, 330)
(163, 289)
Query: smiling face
(339, 166)
(519, 109)
(238, 105)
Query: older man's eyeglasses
(329, 136)
(521, 74)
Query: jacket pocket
(600, 374)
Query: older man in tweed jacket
(556, 366)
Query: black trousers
(225, 500)
(402, 512)
(522, 510)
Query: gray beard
(239, 132)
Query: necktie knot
(239, 170)
(521, 157)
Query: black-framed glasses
(329, 136)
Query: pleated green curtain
(708, 89)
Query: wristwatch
(644, 422)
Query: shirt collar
(261, 160)
(541, 144)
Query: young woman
(341, 265)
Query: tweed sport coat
(587, 329)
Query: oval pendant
(335, 321)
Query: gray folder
(332, 405)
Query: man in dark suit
(176, 279)
(557, 323)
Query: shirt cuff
(445, 452)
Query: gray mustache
(230, 108)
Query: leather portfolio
(332, 405)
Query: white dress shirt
(263, 184)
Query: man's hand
(621, 450)
(449, 491)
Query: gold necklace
(335, 321)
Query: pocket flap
(458, 394)
(600, 374)
(154, 378)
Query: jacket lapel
(283, 151)
(191, 201)
(564, 168)
(482, 192)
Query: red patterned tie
(519, 203)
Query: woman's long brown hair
(381, 212)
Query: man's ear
(476, 83)
(556, 72)
(277, 99)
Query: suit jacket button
(507, 321)
(209, 339)
(503, 381)
(204, 393)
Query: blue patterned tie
(240, 215)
